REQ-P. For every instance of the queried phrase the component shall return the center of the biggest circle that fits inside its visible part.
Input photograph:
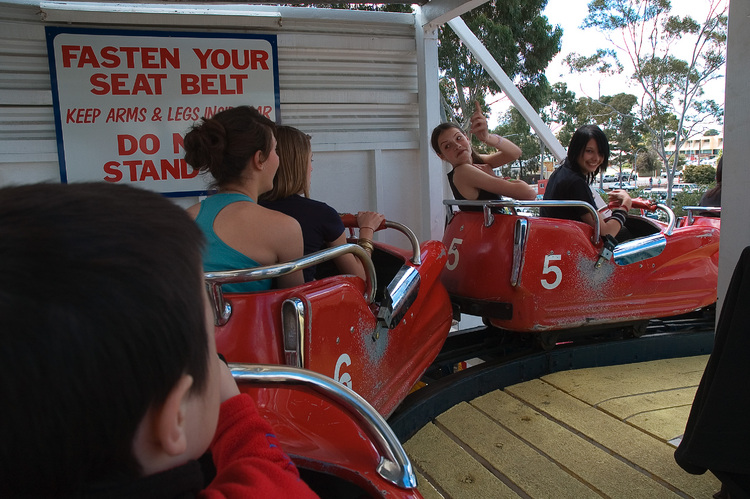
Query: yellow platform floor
(598, 432)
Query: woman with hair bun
(238, 148)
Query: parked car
(685, 187)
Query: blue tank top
(218, 255)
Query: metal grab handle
(670, 216)
(394, 465)
(214, 280)
(416, 257)
(691, 209)
(350, 221)
(513, 204)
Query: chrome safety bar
(670, 217)
(214, 280)
(394, 465)
(691, 209)
(416, 258)
(513, 204)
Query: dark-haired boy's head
(102, 313)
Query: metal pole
(506, 84)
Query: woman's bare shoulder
(193, 210)
(276, 222)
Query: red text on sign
(178, 143)
(123, 84)
(79, 115)
(126, 115)
(113, 57)
(128, 144)
(139, 170)
(180, 113)
(238, 59)
(212, 84)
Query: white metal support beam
(438, 12)
(493, 68)
(430, 166)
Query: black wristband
(620, 216)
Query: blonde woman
(321, 225)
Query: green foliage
(518, 37)
(683, 198)
(613, 114)
(699, 174)
(515, 127)
(649, 163)
(604, 61)
(681, 160)
(645, 32)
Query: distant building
(699, 148)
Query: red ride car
(376, 337)
(542, 275)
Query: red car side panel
(319, 436)
(340, 339)
(561, 287)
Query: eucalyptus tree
(520, 39)
(671, 57)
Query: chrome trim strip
(400, 293)
(489, 218)
(293, 354)
(513, 204)
(214, 280)
(394, 466)
(637, 250)
(222, 309)
(520, 233)
(448, 215)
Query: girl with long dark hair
(588, 155)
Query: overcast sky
(569, 14)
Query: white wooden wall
(349, 79)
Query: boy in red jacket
(109, 376)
